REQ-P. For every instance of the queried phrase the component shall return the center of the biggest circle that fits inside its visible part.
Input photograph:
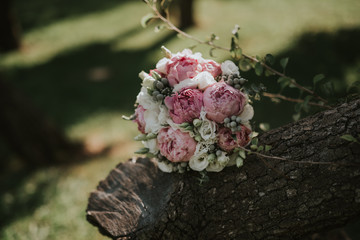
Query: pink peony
(185, 106)
(176, 145)
(180, 68)
(228, 141)
(187, 65)
(139, 112)
(222, 101)
(212, 67)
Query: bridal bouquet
(193, 113)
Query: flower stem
(172, 27)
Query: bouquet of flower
(193, 113)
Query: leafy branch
(236, 52)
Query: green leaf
(267, 148)
(349, 138)
(318, 78)
(146, 19)
(298, 107)
(253, 147)
(254, 141)
(328, 88)
(142, 151)
(260, 148)
(296, 116)
(259, 69)
(306, 103)
(284, 82)
(239, 162)
(284, 62)
(268, 73)
(270, 59)
(242, 154)
(244, 65)
(264, 126)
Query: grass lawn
(79, 64)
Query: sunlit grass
(266, 26)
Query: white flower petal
(215, 167)
(207, 129)
(162, 65)
(228, 67)
(165, 167)
(148, 82)
(204, 79)
(198, 161)
(187, 83)
(151, 145)
(152, 124)
(247, 114)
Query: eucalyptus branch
(276, 95)
(172, 27)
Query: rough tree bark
(29, 133)
(137, 201)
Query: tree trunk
(138, 201)
(186, 13)
(9, 28)
(28, 133)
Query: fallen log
(265, 199)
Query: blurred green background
(79, 62)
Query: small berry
(233, 124)
(226, 120)
(237, 86)
(233, 118)
(164, 81)
(238, 119)
(155, 93)
(218, 153)
(160, 97)
(159, 85)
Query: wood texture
(137, 201)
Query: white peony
(207, 129)
(165, 167)
(145, 100)
(152, 124)
(204, 79)
(162, 65)
(247, 114)
(228, 67)
(201, 81)
(198, 161)
(148, 82)
(223, 158)
(187, 83)
(151, 145)
(215, 167)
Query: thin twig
(300, 162)
(171, 26)
(276, 95)
(275, 170)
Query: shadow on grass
(336, 55)
(38, 13)
(21, 193)
(87, 80)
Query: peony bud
(141, 137)
(142, 151)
